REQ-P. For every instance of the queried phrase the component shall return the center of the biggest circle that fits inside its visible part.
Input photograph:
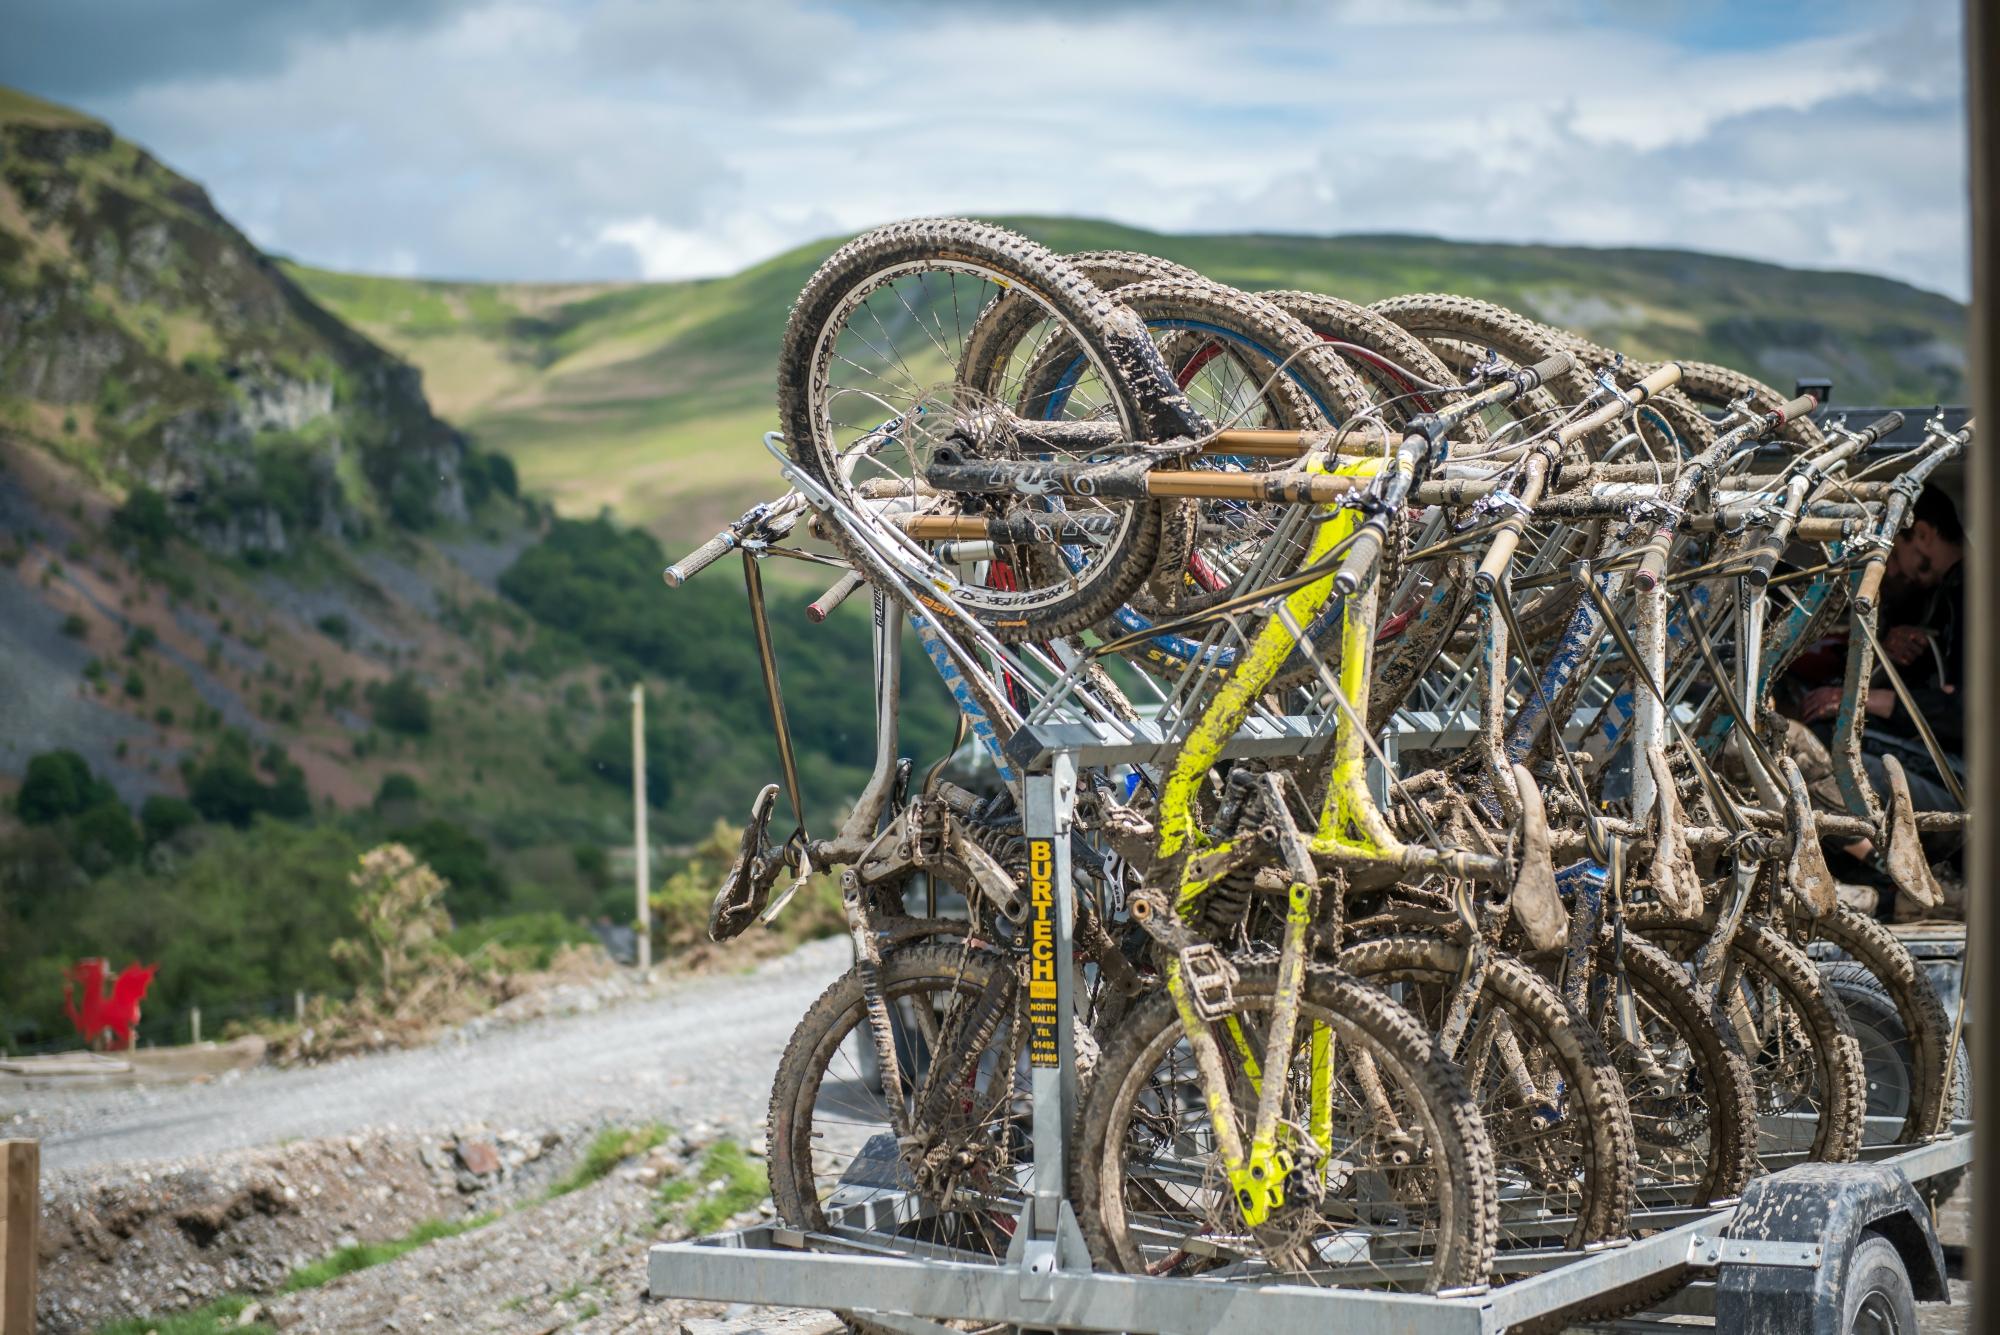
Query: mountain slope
(650, 398)
(146, 340)
(261, 608)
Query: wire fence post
(194, 1022)
(640, 877)
(299, 1006)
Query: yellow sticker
(1042, 1049)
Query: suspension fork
(1259, 1178)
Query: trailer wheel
(1879, 1299)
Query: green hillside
(262, 608)
(649, 398)
(146, 341)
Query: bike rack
(1740, 1255)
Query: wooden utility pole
(20, 1224)
(641, 881)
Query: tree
(59, 784)
(226, 790)
(105, 837)
(396, 787)
(474, 887)
(143, 521)
(162, 817)
(401, 704)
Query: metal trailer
(1779, 1258)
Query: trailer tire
(1878, 1297)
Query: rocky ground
(161, 1198)
(701, 1050)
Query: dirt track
(701, 1052)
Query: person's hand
(1905, 644)
(1881, 702)
(1821, 702)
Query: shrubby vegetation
(598, 586)
(401, 704)
(236, 893)
(238, 889)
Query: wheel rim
(885, 372)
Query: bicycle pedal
(1210, 980)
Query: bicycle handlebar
(822, 607)
(1793, 409)
(1879, 428)
(1413, 457)
(700, 559)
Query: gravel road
(701, 1052)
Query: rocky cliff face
(146, 339)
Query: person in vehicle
(1923, 611)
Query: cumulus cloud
(670, 138)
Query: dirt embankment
(121, 1243)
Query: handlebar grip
(1652, 567)
(1870, 587)
(1763, 561)
(819, 608)
(1880, 427)
(1360, 562)
(1549, 368)
(1793, 409)
(698, 560)
(1664, 376)
(1498, 557)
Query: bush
(243, 915)
(396, 788)
(105, 837)
(59, 784)
(531, 938)
(401, 704)
(225, 790)
(161, 817)
(474, 887)
(143, 522)
(336, 628)
(75, 627)
(593, 864)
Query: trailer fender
(1830, 1207)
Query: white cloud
(578, 138)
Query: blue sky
(573, 139)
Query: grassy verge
(729, 1182)
(611, 1148)
(212, 1319)
(365, 1254)
(743, 1185)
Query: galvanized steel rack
(1776, 1256)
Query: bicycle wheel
(1688, 1088)
(1242, 363)
(1403, 1198)
(1812, 1088)
(1552, 1102)
(873, 378)
(1886, 1051)
(1910, 1076)
(1463, 331)
(832, 1139)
